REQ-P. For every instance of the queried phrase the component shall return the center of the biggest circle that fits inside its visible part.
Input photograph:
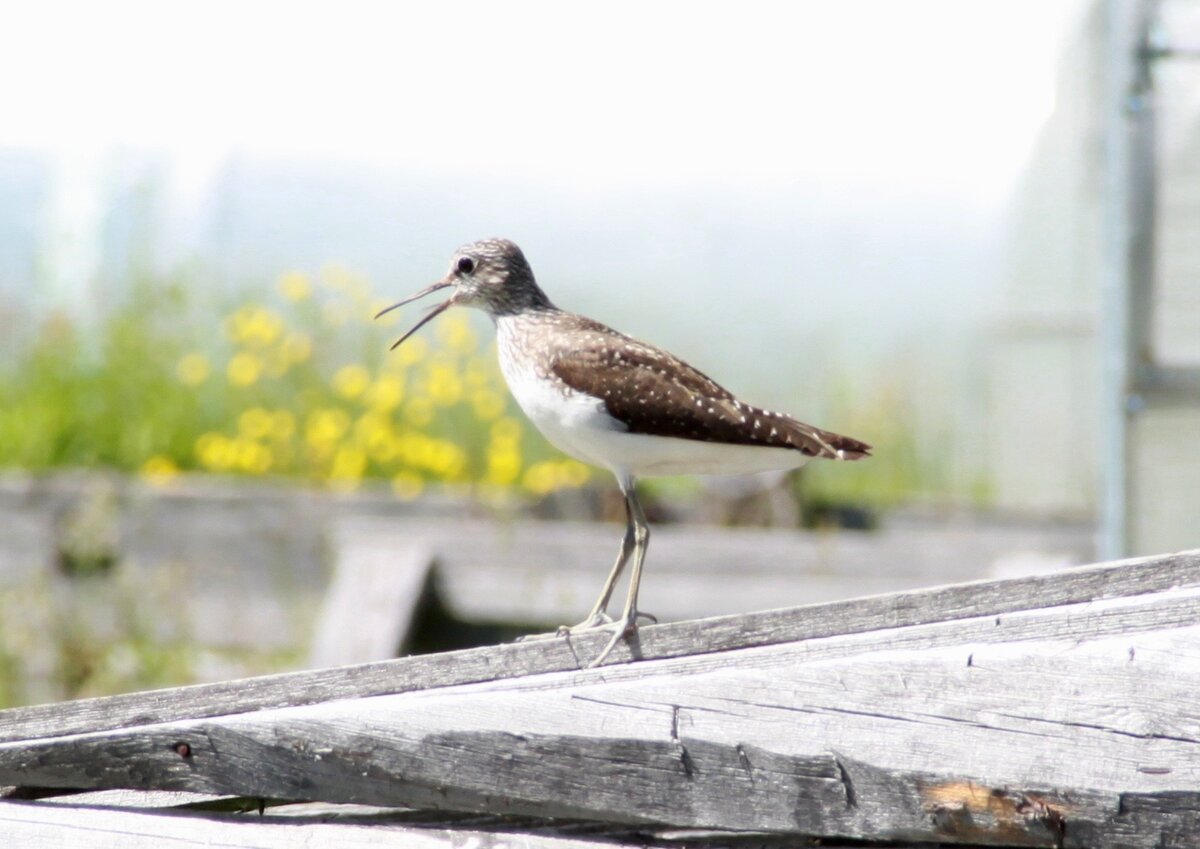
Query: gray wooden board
(197, 537)
(551, 572)
(370, 605)
(1072, 722)
(33, 826)
(984, 598)
(41, 826)
(142, 799)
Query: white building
(1048, 420)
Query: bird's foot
(621, 629)
(597, 621)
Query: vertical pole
(1119, 72)
(1131, 163)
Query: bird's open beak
(434, 312)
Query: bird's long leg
(641, 540)
(599, 614)
(637, 535)
(598, 617)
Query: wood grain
(370, 605)
(1047, 711)
(40, 826)
(728, 633)
(550, 572)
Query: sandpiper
(612, 401)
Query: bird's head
(492, 275)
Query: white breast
(569, 419)
(579, 425)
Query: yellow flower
(416, 448)
(255, 423)
(351, 381)
(295, 286)
(503, 466)
(158, 470)
(385, 393)
(193, 369)
(250, 456)
(297, 347)
(382, 446)
(326, 426)
(549, 475)
(244, 369)
(446, 459)
(213, 451)
(349, 463)
(268, 328)
(255, 326)
(371, 428)
(407, 485)
(540, 478)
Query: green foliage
(90, 635)
(299, 384)
(109, 400)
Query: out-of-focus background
(968, 233)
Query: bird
(618, 403)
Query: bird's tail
(847, 448)
(834, 446)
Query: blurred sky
(814, 170)
(605, 94)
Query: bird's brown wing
(655, 393)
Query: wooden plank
(550, 572)
(91, 828)
(985, 598)
(1068, 725)
(370, 605)
(142, 799)
(199, 536)
(39, 826)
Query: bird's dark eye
(466, 265)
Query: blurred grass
(296, 383)
(911, 461)
(99, 635)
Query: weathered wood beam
(726, 633)
(371, 604)
(40, 826)
(1047, 711)
(550, 572)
